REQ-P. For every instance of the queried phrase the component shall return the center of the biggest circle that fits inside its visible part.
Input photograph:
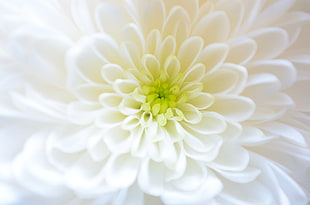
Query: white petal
(151, 65)
(167, 48)
(232, 157)
(151, 177)
(174, 130)
(213, 55)
(176, 18)
(108, 117)
(189, 51)
(241, 50)
(179, 165)
(97, 149)
(211, 123)
(228, 79)
(300, 95)
(289, 133)
(141, 143)
(270, 42)
(233, 108)
(284, 70)
(129, 106)
(195, 73)
(252, 136)
(210, 187)
(111, 100)
(121, 170)
(245, 176)
(131, 54)
(111, 72)
(273, 12)
(190, 7)
(40, 177)
(82, 113)
(152, 14)
(193, 177)
(90, 93)
(153, 40)
(132, 33)
(72, 139)
(88, 66)
(214, 27)
(118, 140)
(202, 101)
(204, 148)
(125, 86)
(81, 13)
(108, 50)
(41, 52)
(253, 193)
(191, 114)
(167, 152)
(131, 122)
(262, 86)
(107, 11)
(172, 67)
(234, 10)
(83, 173)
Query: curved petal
(176, 18)
(107, 11)
(192, 178)
(108, 117)
(210, 123)
(167, 49)
(284, 70)
(300, 95)
(213, 28)
(172, 67)
(129, 106)
(191, 114)
(289, 133)
(249, 193)
(110, 100)
(125, 86)
(241, 50)
(199, 196)
(202, 101)
(270, 42)
(151, 66)
(132, 33)
(111, 72)
(245, 176)
(82, 113)
(152, 14)
(232, 157)
(151, 177)
(195, 73)
(118, 140)
(91, 93)
(235, 11)
(262, 86)
(121, 170)
(189, 51)
(235, 108)
(228, 79)
(213, 55)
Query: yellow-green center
(162, 99)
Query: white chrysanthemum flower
(155, 101)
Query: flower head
(181, 102)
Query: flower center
(162, 99)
